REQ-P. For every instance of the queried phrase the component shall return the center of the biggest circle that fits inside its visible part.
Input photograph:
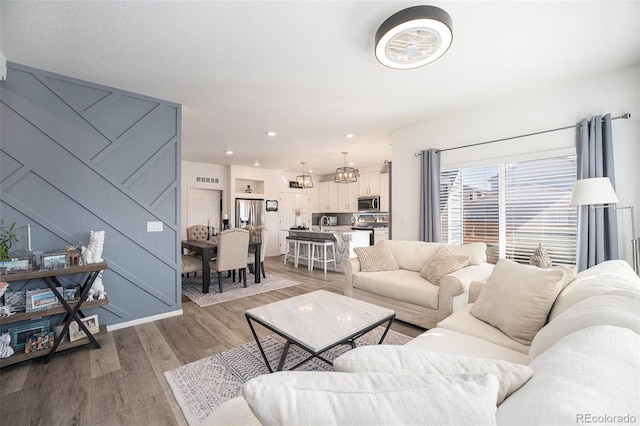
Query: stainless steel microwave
(370, 203)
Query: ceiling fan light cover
(413, 37)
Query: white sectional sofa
(581, 367)
(398, 285)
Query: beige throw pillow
(376, 258)
(407, 360)
(477, 252)
(517, 298)
(443, 263)
(329, 398)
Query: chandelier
(304, 181)
(346, 174)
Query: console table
(71, 308)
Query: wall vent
(203, 179)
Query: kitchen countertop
(327, 229)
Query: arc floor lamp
(599, 193)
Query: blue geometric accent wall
(76, 156)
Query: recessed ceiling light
(349, 135)
(271, 133)
(229, 152)
(257, 163)
(351, 163)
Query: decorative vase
(540, 258)
(298, 222)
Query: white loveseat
(582, 367)
(414, 299)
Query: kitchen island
(344, 238)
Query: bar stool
(291, 251)
(322, 245)
(307, 253)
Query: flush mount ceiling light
(413, 37)
(346, 174)
(304, 181)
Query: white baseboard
(144, 320)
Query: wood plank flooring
(122, 383)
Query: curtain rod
(624, 116)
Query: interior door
(289, 201)
(203, 205)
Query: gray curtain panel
(430, 220)
(597, 228)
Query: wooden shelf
(23, 316)
(73, 308)
(19, 357)
(91, 267)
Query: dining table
(208, 249)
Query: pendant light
(346, 174)
(413, 37)
(304, 181)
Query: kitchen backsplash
(345, 219)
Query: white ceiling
(306, 69)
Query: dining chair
(233, 245)
(191, 264)
(262, 235)
(197, 232)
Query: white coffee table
(317, 322)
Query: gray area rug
(201, 386)
(192, 288)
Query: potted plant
(7, 238)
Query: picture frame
(8, 267)
(272, 205)
(69, 294)
(41, 299)
(20, 333)
(39, 341)
(294, 184)
(92, 324)
(15, 300)
(55, 261)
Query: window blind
(512, 207)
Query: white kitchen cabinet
(347, 197)
(338, 197)
(384, 192)
(331, 200)
(369, 184)
(324, 189)
(380, 234)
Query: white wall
(190, 170)
(616, 93)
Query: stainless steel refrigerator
(249, 212)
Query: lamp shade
(592, 191)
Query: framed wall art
(272, 205)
